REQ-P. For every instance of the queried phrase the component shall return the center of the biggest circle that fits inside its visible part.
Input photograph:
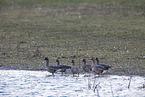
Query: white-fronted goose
(105, 67)
(97, 69)
(64, 67)
(86, 67)
(51, 68)
(75, 69)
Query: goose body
(75, 69)
(97, 69)
(86, 67)
(51, 68)
(64, 67)
(105, 67)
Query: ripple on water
(31, 83)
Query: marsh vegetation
(73, 29)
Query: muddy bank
(111, 72)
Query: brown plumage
(64, 67)
(97, 69)
(86, 67)
(51, 68)
(74, 69)
(105, 67)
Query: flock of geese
(96, 67)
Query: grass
(73, 29)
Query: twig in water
(94, 83)
(96, 88)
(89, 85)
(111, 89)
(129, 82)
(143, 85)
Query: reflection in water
(31, 83)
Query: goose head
(97, 58)
(57, 60)
(73, 62)
(92, 59)
(84, 60)
(46, 59)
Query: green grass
(112, 30)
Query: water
(35, 83)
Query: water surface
(36, 83)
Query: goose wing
(65, 66)
(105, 67)
(75, 69)
(98, 69)
(87, 67)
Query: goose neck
(93, 63)
(84, 63)
(73, 63)
(58, 63)
(98, 61)
(47, 63)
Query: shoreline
(82, 72)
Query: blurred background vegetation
(113, 30)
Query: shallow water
(36, 83)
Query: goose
(51, 68)
(64, 67)
(86, 67)
(75, 69)
(105, 67)
(97, 69)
